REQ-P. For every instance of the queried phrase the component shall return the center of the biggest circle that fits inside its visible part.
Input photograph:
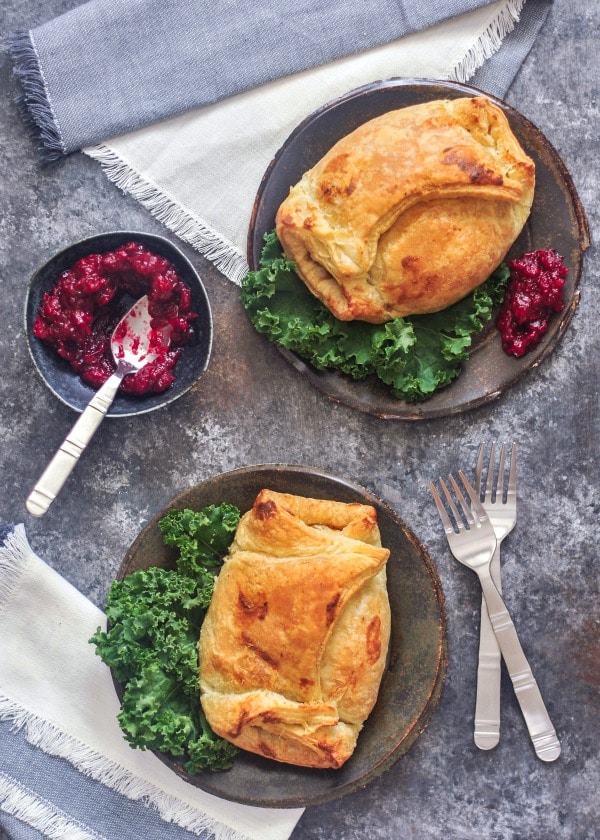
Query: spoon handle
(60, 467)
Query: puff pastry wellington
(294, 643)
(411, 211)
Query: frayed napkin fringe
(489, 42)
(24, 805)
(174, 216)
(48, 738)
(34, 102)
(15, 554)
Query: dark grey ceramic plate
(413, 680)
(57, 373)
(557, 221)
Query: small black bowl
(58, 374)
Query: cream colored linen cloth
(52, 682)
(199, 173)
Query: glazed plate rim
(264, 783)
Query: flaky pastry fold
(294, 643)
(411, 211)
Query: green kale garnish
(415, 356)
(202, 537)
(154, 617)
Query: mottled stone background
(251, 407)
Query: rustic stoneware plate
(58, 374)
(557, 221)
(413, 680)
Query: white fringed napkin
(53, 684)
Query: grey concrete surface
(251, 407)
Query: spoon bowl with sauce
(134, 344)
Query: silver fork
(472, 542)
(502, 512)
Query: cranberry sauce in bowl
(75, 300)
(78, 316)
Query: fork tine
(448, 527)
(479, 469)
(490, 486)
(462, 501)
(476, 505)
(512, 473)
(501, 469)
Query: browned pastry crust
(294, 643)
(411, 211)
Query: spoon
(133, 344)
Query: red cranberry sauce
(534, 292)
(78, 317)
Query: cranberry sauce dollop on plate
(79, 315)
(534, 293)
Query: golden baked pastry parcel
(294, 643)
(411, 211)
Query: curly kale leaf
(202, 537)
(206, 750)
(415, 356)
(154, 614)
(156, 715)
(154, 618)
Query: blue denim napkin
(495, 75)
(110, 66)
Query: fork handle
(487, 703)
(537, 719)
